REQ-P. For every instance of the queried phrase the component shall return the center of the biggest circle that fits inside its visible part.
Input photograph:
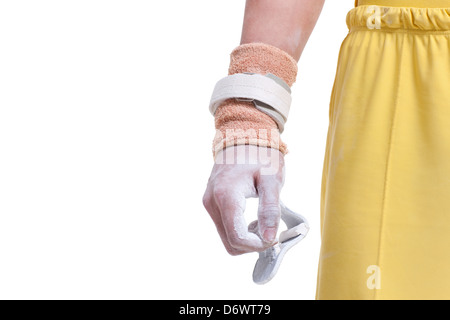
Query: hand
(240, 172)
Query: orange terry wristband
(239, 122)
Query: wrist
(238, 122)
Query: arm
(287, 25)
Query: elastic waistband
(399, 18)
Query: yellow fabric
(406, 3)
(385, 199)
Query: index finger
(231, 204)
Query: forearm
(286, 24)
(273, 37)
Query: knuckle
(206, 200)
(233, 252)
(234, 241)
(279, 177)
(270, 209)
(269, 216)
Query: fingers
(225, 197)
(269, 210)
(225, 203)
(226, 206)
(231, 203)
(214, 212)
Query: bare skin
(240, 172)
(285, 24)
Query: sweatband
(239, 122)
(268, 93)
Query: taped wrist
(239, 122)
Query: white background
(105, 150)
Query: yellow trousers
(385, 199)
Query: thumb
(269, 210)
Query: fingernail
(270, 234)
